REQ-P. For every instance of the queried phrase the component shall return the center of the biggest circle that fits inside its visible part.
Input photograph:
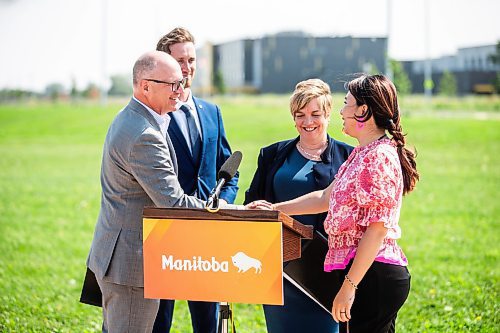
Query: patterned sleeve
(377, 188)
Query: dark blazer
(200, 175)
(271, 158)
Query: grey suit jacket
(138, 169)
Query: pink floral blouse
(368, 188)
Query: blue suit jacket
(200, 175)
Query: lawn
(50, 191)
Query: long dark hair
(379, 94)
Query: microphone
(226, 172)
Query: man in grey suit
(139, 169)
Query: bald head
(157, 81)
(150, 62)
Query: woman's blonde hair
(307, 90)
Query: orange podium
(230, 255)
(249, 263)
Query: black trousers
(381, 293)
(203, 316)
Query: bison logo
(244, 263)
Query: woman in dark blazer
(289, 169)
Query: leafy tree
(219, 84)
(74, 90)
(495, 58)
(92, 91)
(400, 78)
(370, 68)
(54, 91)
(497, 83)
(120, 86)
(448, 84)
(7, 95)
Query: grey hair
(143, 66)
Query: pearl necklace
(312, 156)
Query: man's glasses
(175, 85)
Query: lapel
(281, 153)
(176, 135)
(203, 118)
(172, 153)
(323, 172)
(137, 107)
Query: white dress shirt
(163, 121)
(181, 120)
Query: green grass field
(49, 200)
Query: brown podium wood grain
(293, 230)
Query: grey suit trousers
(125, 310)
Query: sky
(60, 41)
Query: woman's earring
(360, 125)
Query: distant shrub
(400, 78)
(448, 84)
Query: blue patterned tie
(194, 134)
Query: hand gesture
(260, 204)
(341, 308)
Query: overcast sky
(46, 41)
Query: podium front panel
(230, 261)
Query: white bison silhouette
(244, 263)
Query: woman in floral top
(364, 203)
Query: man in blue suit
(201, 147)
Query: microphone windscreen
(229, 168)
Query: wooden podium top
(305, 231)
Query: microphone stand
(225, 314)
(212, 204)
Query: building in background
(236, 64)
(203, 84)
(472, 67)
(275, 63)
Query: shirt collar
(189, 102)
(162, 121)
